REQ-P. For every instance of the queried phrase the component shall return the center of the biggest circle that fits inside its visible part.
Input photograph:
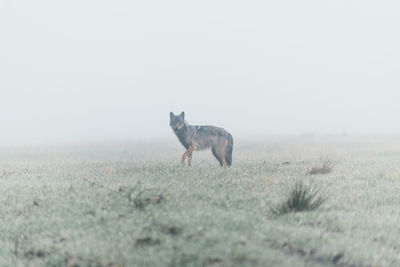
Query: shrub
(301, 197)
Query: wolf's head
(177, 122)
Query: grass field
(127, 204)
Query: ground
(131, 204)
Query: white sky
(94, 70)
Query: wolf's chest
(185, 139)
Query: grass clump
(301, 197)
(324, 166)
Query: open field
(125, 204)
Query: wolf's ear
(171, 115)
(182, 116)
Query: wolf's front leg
(184, 158)
(186, 154)
(190, 160)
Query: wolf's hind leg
(217, 156)
(228, 150)
(224, 162)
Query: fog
(73, 71)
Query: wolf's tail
(229, 150)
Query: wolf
(202, 137)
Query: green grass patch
(134, 205)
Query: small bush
(324, 166)
(301, 197)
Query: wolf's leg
(219, 153)
(214, 151)
(228, 150)
(190, 159)
(186, 154)
(224, 162)
(184, 158)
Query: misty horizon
(95, 70)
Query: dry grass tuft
(301, 197)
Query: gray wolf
(202, 137)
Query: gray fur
(203, 137)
